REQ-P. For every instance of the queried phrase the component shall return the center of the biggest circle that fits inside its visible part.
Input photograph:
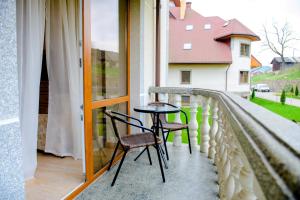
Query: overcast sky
(253, 14)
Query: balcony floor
(188, 177)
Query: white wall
(164, 41)
(208, 76)
(239, 63)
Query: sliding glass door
(106, 79)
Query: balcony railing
(256, 152)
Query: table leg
(157, 146)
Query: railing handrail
(267, 139)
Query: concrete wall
(11, 173)
(208, 76)
(239, 63)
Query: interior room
(50, 95)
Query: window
(185, 100)
(185, 77)
(207, 26)
(245, 50)
(189, 27)
(187, 46)
(244, 77)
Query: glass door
(106, 79)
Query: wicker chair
(128, 142)
(168, 127)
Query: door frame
(88, 104)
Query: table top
(156, 109)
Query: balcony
(246, 152)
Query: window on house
(189, 27)
(207, 26)
(187, 46)
(244, 77)
(185, 100)
(245, 50)
(185, 77)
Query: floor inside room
(55, 177)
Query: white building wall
(239, 63)
(208, 76)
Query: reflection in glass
(108, 35)
(104, 139)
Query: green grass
(171, 118)
(289, 74)
(286, 111)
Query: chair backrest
(114, 124)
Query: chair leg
(188, 134)
(149, 155)
(113, 157)
(165, 144)
(140, 154)
(118, 170)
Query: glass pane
(104, 138)
(109, 60)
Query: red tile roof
(208, 46)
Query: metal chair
(128, 142)
(168, 127)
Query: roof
(254, 62)
(286, 59)
(208, 45)
(262, 69)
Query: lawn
(286, 111)
(289, 74)
(171, 118)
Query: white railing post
(205, 125)
(177, 138)
(193, 125)
(213, 131)
(218, 137)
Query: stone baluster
(163, 97)
(218, 137)
(205, 125)
(213, 131)
(246, 180)
(177, 138)
(193, 125)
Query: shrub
(296, 91)
(282, 97)
(292, 90)
(253, 94)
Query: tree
(253, 94)
(282, 97)
(292, 90)
(278, 39)
(296, 91)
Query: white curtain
(63, 135)
(30, 39)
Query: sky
(254, 14)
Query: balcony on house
(245, 152)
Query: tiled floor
(54, 178)
(189, 177)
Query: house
(208, 52)
(112, 55)
(289, 62)
(255, 63)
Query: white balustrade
(193, 124)
(218, 136)
(177, 138)
(213, 131)
(205, 125)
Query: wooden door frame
(88, 104)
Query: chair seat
(174, 126)
(139, 140)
